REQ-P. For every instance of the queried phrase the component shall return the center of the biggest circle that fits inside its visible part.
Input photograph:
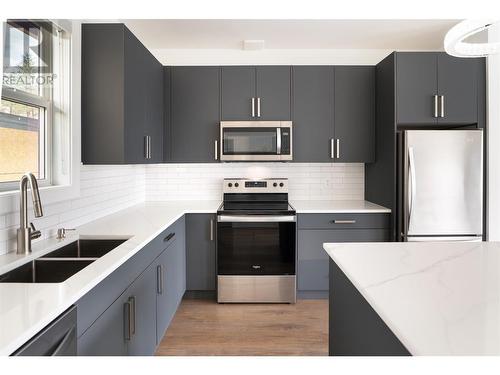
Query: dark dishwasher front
(256, 248)
(57, 339)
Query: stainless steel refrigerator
(440, 192)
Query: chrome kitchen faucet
(27, 233)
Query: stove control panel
(265, 185)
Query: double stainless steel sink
(61, 264)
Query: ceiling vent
(253, 45)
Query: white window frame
(69, 187)
(23, 97)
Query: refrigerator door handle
(411, 182)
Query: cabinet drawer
(343, 221)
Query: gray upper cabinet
(354, 114)
(312, 113)
(238, 90)
(433, 88)
(273, 92)
(200, 252)
(194, 113)
(416, 87)
(122, 104)
(256, 93)
(458, 84)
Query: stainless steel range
(256, 242)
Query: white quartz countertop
(25, 309)
(440, 298)
(347, 206)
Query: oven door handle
(256, 218)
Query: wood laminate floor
(203, 327)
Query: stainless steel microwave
(255, 141)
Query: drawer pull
(169, 237)
(343, 221)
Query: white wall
(494, 140)
(103, 190)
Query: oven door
(254, 141)
(253, 245)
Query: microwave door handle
(278, 141)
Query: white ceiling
(292, 34)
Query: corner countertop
(440, 298)
(337, 207)
(25, 309)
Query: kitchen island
(414, 298)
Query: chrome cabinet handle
(253, 107)
(337, 152)
(411, 182)
(332, 154)
(146, 146)
(343, 221)
(169, 237)
(127, 328)
(216, 156)
(441, 106)
(436, 106)
(150, 148)
(159, 279)
(258, 107)
(132, 314)
(212, 230)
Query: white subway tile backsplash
(309, 181)
(103, 190)
(107, 189)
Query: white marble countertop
(25, 309)
(437, 298)
(336, 207)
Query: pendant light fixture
(455, 43)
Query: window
(34, 82)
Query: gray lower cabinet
(129, 312)
(170, 269)
(200, 252)
(312, 259)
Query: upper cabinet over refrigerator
(433, 88)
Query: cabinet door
(107, 335)
(458, 83)
(142, 297)
(273, 92)
(136, 96)
(416, 86)
(200, 252)
(312, 113)
(238, 89)
(155, 124)
(195, 113)
(354, 114)
(312, 268)
(171, 285)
